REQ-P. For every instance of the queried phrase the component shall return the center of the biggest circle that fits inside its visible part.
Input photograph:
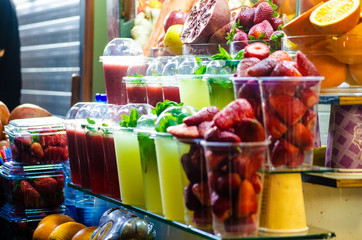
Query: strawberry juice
(136, 93)
(73, 157)
(115, 89)
(154, 94)
(83, 159)
(171, 93)
(96, 163)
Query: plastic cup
(235, 186)
(170, 89)
(154, 90)
(164, 51)
(118, 56)
(136, 89)
(194, 90)
(203, 50)
(290, 113)
(150, 174)
(196, 192)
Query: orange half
(336, 16)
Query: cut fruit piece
(289, 108)
(336, 16)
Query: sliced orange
(336, 16)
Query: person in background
(10, 75)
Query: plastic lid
(14, 170)
(122, 47)
(34, 125)
(74, 110)
(189, 65)
(17, 216)
(142, 109)
(173, 116)
(134, 80)
(222, 66)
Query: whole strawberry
(246, 18)
(46, 185)
(31, 195)
(264, 11)
(261, 30)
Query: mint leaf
(136, 75)
(172, 118)
(201, 70)
(198, 61)
(90, 121)
(162, 106)
(222, 55)
(131, 120)
(240, 55)
(139, 81)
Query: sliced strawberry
(280, 56)
(23, 142)
(201, 191)
(309, 119)
(290, 109)
(276, 22)
(205, 114)
(241, 164)
(263, 68)
(257, 49)
(191, 201)
(221, 206)
(300, 136)
(285, 68)
(31, 195)
(250, 130)
(227, 184)
(283, 152)
(264, 11)
(204, 127)
(247, 201)
(245, 64)
(46, 185)
(305, 66)
(308, 97)
(216, 135)
(183, 131)
(215, 159)
(274, 126)
(255, 180)
(297, 161)
(261, 30)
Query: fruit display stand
(174, 230)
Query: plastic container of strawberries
(34, 188)
(36, 141)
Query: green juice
(194, 92)
(150, 173)
(129, 168)
(221, 91)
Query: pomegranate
(204, 19)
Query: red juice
(154, 94)
(136, 93)
(111, 166)
(83, 159)
(97, 168)
(73, 157)
(115, 88)
(171, 93)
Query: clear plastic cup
(136, 89)
(203, 50)
(154, 90)
(118, 56)
(194, 90)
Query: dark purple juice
(97, 168)
(73, 157)
(83, 159)
(171, 93)
(111, 166)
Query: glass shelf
(313, 169)
(174, 230)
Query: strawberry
(23, 142)
(202, 216)
(240, 41)
(216, 135)
(46, 185)
(309, 119)
(261, 30)
(192, 173)
(191, 201)
(201, 191)
(65, 154)
(228, 184)
(220, 206)
(305, 66)
(31, 195)
(27, 159)
(280, 56)
(183, 131)
(285, 68)
(250, 130)
(255, 180)
(53, 154)
(308, 97)
(233, 113)
(204, 127)
(275, 22)
(245, 64)
(215, 159)
(297, 161)
(258, 50)
(246, 18)
(250, 91)
(241, 165)
(247, 201)
(286, 87)
(290, 109)
(36, 151)
(61, 184)
(205, 114)
(263, 68)
(274, 126)
(242, 225)
(283, 152)
(264, 11)
(300, 136)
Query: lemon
(66, 231)
(173, 39)
(336, 16)
(48, 224)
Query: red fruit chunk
(242, 225)
(305, 66)
(30, 194)
(215, 159)
(282, 87)
(23, 142)
(60, 180)
(46, 185)
(250, 130)
(290, 109)
(54, 154)
(258, 50)
(204, 127)
(263, 68)
(275, 22)
(228, 184)
(300, 136)
(233, 113)
(201, 191)
(264, 11)
(245, 64)
(309, 119)
(36, 151)
(247, 202)
(283, 152)
(242, 165)
(255, 181)
(274, 126)
(246, 18)
(261, 30)
(192, 173)
(65, 154)
(27, 159)
(183, 131)
(191, 201)
(220, 206)
(280, 56)
(205, 114)
(285, 68)
(216, 135)
(297, 161)
(240, 35)
(309, 97)
(202, 216)
(213, 177)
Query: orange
(334, 71)
(4, 113)
(336, 16)
(66, 231)
(48, 224)
(356, 72)
(84, 234)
